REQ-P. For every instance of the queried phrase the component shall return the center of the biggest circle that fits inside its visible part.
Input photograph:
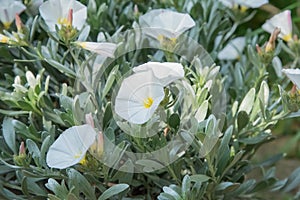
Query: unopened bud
(97, 147)
(70, 17)
(22, 150)
(19, 23)
(258, 49)
(89, 120)
(270, 46)
(293, 90)
(166, 130)
(136, 10)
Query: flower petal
(166, 72)
(53, 10)
(165, 22)
(133, 92)
(233, 49)
(293, 75)
(70, 147)
(101, 48)
(9, 9)
(252, 3)
(283, 21)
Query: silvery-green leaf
(248, 101)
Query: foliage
(44, 91)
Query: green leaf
(80, 183)
(114, 190)
(9, 134)
(110, 80)
(202, 111)
(14, 113)
(293, 180)
(61, 68)
(212, 134)
(227, 186)
(172, 192)
(247, 103)
(174, 121)
(34, 151)
(60, 191)
(199, 178)
(107, 115)
(242, 120)
(186, 184)
(255, 139)
(149, 165)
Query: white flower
(166, 72)
(293, 75)
(55, 12)
(101, 48)
(141, 93)
(252, 3)
(8, 10)
(233, 49)
(283, 21)
(70, 147)
(245, 3)
(167, 23)
(138, 97)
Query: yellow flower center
(63, 21)
(6, 25)
(160, 37)
(82, 161)
(82, 44)
(148, 102)
(4, 39)
(241, 8)
(287, 37)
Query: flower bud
(97, 147)
(89, 120)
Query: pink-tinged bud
(18, 22)
(22, 150)
(89, 120)
(258, 49)
(270, 46)
(166, 130)
(97, 147)
(293, 90)
(70, 17)
(295, 37)
(136, 9)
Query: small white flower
(8, 10)
(166, 72)
(138, 97)
(233, 49)
(283, 21)
(141, 93)
(101, 48)
(166, 23)
(55, 12)
(70, 147)
(245, 3)
(293, 75)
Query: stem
(171, 171)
